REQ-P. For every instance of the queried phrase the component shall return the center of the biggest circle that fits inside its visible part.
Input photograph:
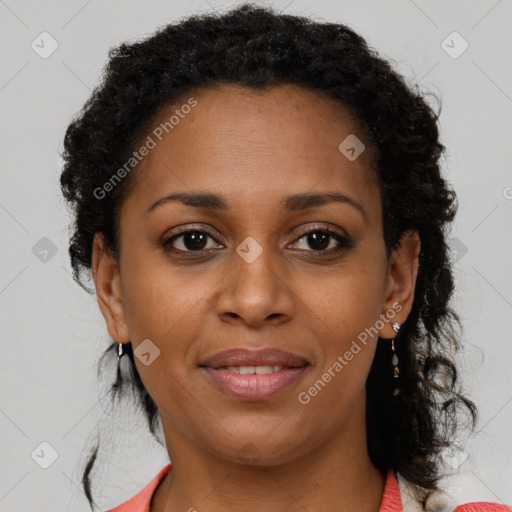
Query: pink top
(391, 501)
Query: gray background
(53, 332)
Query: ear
(108, 290)
(401, 282)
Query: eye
(321, 239)
(193, 240)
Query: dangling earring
(120, 353)
(394, 360)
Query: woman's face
(249, 276)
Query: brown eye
(319, 241)
(325, 241)
(191, 241)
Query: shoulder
(482, 506)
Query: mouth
(253, 370)
(254, 375)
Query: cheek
(159, 300)
(166, 306)
(342, 313)
(343, 305)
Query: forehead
(273, 141)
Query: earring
(394, 360)
(120, 353)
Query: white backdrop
(52, 331)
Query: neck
(336, 476)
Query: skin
(255, 148)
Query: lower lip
(254, 387)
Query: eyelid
(183, 230)
(344, 240)
(323, 227)
(320, 226)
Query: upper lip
(261, 357)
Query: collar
(391, 501)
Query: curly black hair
(258, 48)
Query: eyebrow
(291, 203)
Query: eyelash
(343, 241)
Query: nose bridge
(256, 266)
(256, 288)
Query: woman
(258, 198)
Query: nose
(257, 291)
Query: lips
(254, 375)
(261, 357)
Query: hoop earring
(120, 353)
(394, 361)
